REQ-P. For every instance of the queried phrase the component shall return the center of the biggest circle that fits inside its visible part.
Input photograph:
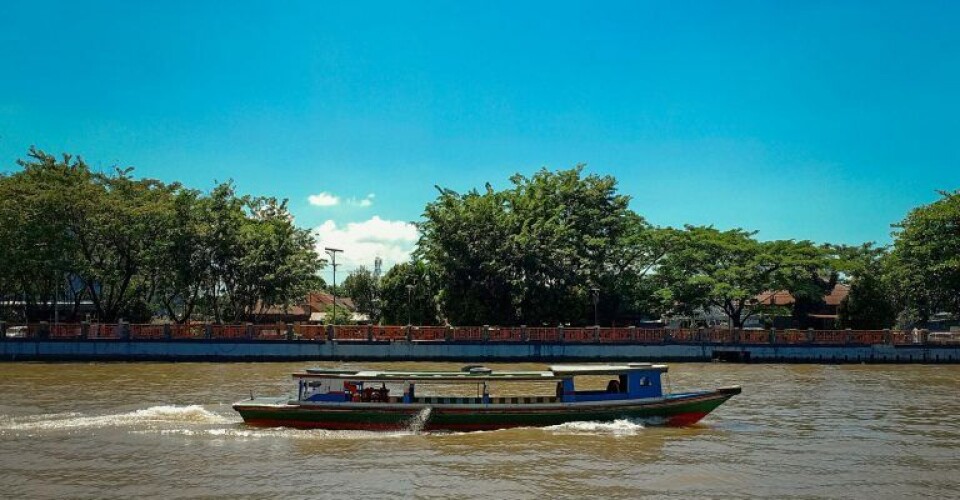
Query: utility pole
(332, 252)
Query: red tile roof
(783, 297)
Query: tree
(532, 253)
(728, 270)
(135, 247)
(363, 288)
(868, 306)
(410, 283)
(925, 261)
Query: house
(823, 317)
(321, 302)
(312, 309)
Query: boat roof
(553, 373)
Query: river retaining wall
(400, 350)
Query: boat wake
(418, 422)
(242, 433)
(616, 428)
(153, 416)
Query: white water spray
(419, 420)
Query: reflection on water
(123, 430)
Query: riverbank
(487, 351)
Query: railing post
(208, 331)
(167, 331)
(448, 334)
(330, 332)
(560, 336)
(596, 334)
(248, 330)
(848, 336)
(124, 328)
(3, 331)
(524, 336)
(700, 334)
(409, 333)
(485, 333)
(290, 334)
(369, 333)
(43, 332)
(773, 336)
(887, 337)
(632, 334)
(810, 335)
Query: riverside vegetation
(538, 252)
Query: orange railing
(390, 333)
(145, 332)
(619, 335)
(470, 334)
(309, 332)
(378, 333)
(350, 332)
(428, 333)
(505, 334)
(541, 334)
(579, 335)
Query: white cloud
(362, 242)
(323, 199)
(364, 202)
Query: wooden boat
(390, 400)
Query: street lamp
(595, 292)
(332, 252)
(409, 298)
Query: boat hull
(678, 410)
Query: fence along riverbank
(376, 333)
(249, 342)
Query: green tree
(408, 294)
(532, 253)
(363, 288)
(728, 270)
(135, 247)
(869, 305)
(925, 261)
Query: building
(312, 309)
(823, 317)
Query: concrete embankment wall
(246, 350)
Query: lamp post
(595, 293)
(409, 298)
(332, 252)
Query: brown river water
(118, 430)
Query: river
(163, 429)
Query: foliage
(363, 288)
(925, 261)
(136, 247)
(531, 254)
(337, 316)
(727, 270)
(412, 283)
(868, 306)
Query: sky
(825, 121)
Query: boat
(356, 399)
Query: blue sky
(809, 120)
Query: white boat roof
(555, 372)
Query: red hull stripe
(679, 420)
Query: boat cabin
(623, 382)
